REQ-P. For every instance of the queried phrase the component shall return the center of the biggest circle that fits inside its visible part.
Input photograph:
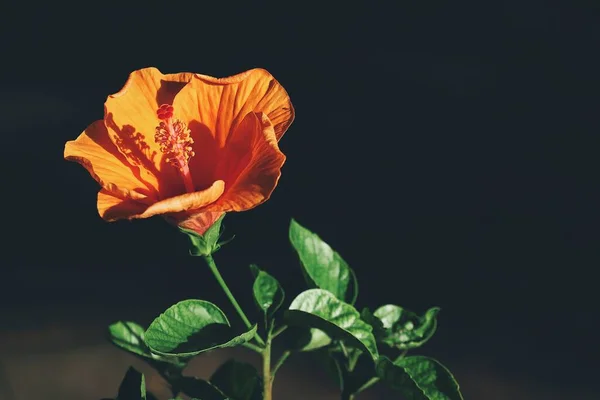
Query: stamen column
(175, 142)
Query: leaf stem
(353, 360)
(344, 350)
(375, 379)
(278, 331)
(280, 362)
(213, 268)
(253, 347)
(368, 384)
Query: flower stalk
(210, 261)
(264, 346)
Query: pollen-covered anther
(173, 137)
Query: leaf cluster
(358, 348)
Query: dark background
(448, 151)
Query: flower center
(173, 137)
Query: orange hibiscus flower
(186, 146)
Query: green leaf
(298, 338)
(318, 308)
(129, 336)
(268, 293)
(323, 267)
(419, 378)
(316, 339)
(133, 386)
(208, 243)
(191, 327)
(200, 389)
(378, 330)
(238, 380)
(404, 329)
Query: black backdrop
(448, 151)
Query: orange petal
(222, 103)
(251, 164)
(94, 150)
(186, 202)
(112, 207)
(130, 116)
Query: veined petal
(250, 164)
(222, 103)
(112, 207)
(130, 116)
(97, 153)
(186, 202)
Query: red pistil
(175, 142)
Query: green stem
(278, 331)
(266, 367)
(213, 268)
(253, 347)
(347, 396)
(280, 362)
(353, 360)
(344, 350)
(368, 384)
(401, 356)
(375, 379)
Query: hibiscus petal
(112, 207)
(130, 116)
(251, 164)
(185, 202)
(94, 150)
(222, 103)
